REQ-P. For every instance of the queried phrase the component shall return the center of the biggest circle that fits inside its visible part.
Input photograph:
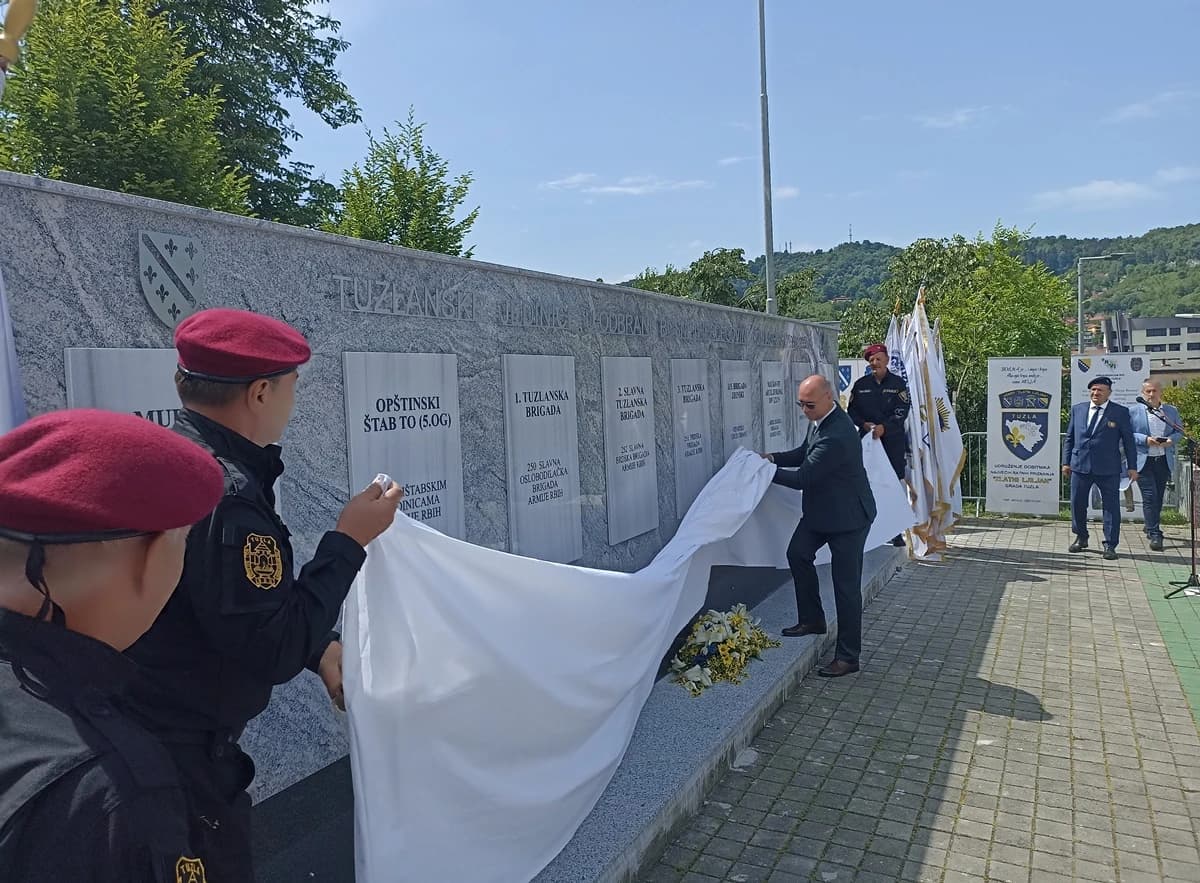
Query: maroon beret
(83, 475)
(237, 346)
(873, 349)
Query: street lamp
(1079, 280)
(766, 157)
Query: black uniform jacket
(885, 402)
(239, 622)
(86, 794)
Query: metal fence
(974, 479)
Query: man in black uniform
(240, 622)
(879, 404)
(94, 513)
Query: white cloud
(1103, 194)
(908, 175)
(642, 185)
(787, 192)
(631, 185)
(571, 182)
(733, 160)
(1177, 174)
(1154, 106)
(955, 119)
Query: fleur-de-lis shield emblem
(1024, 421)
(171, 273)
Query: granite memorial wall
(553, 417)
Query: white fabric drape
(491, 697)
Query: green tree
(991, 303)
(714, 277)
(669, 281)
(102, 98)
(402, 194)
(864, 321)
(795, 297)
(1187, 399)
(717, 277)
(258, 53)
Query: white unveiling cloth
(491, 697)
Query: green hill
(1160, 276)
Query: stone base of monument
(681, 746)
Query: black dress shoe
(1156, 545)
(837, 669)
(1110, 554)
(800, 629)
(1078, 546)
(898, 540)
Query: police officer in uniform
(240, 621)
(879, 404)
(94, 513)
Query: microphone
(1142, 401)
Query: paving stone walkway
(1019, 717)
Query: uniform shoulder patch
(904, 395)
(189, 870)
(263, 561)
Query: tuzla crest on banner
(171, 273)
(1025, 420)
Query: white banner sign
(630, 463)
(690, 415)
(1023, 435)
(541, 436)
(737, 405)
(1127, 371)
(402, 419)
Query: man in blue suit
(1092, 456)
(1156, 438)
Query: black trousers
(215, 775)
(846, 549)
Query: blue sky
(612, 135)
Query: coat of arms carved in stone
(171, 273)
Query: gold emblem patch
(189, 870)
(263, 561)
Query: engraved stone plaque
(135, 381)
(541, 435)
(800, 370)
(690, 416)
(776, 431)
(630, 464)
(402, 418)
(737, 405)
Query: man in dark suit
(1096, 434)
(838, 510)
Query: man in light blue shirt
(1155, 438)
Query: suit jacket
(837, 494)
(1100, 453)
(1140, 420)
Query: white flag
(12, 400)
(947, 441)
(922, 470)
